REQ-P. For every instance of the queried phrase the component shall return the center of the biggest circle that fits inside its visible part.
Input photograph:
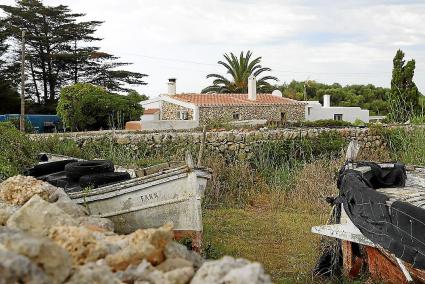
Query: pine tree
(59, 50)
(9, 97)
(404, 95)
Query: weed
(18, 152)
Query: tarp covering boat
(396, 226)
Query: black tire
(48, 168)
(78, 169)
(96, 180)
(63, 182)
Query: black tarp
(399, 227)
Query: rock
(177, 250)
(98, 222)
(19, 189)
(180, 275)
(82, 244)
(72, 209)
(174, 263)
(37, 217)
(146, 244)
(15, 268)
(230, 271)
(251, 273)
(6, 210)
(123, 140)
(54, 260)
(94, 274)
(144, 272)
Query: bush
(406, 145)
(18, 151)
(89, 107)
(326, 123)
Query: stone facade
(291, 113)
(171, 111)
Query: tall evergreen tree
(59, 50)
(404, 95)
(9, 98)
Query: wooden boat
(164, 194)
(371, 253)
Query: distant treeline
(365, 96)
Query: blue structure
(40, 122)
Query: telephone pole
(22, 117)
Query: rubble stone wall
(170, 111)
(226, 142)
(293, 113)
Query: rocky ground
(46, 238)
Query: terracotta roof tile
(234, 99)
(151, 110)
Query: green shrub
(18, 152)
(16, 122)
(54, 144)
(326, 123)
(359, 122)
(89, 107)
(406, 144)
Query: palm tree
(239, 69)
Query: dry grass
(312, 184)
(274, 228)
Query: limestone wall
(292, 113)
(170, 111)
(227, 142)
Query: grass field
(280, 239)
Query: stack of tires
(94, 173)
(78, 174)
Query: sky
(348, 42)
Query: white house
(315, 111)
(190, 110)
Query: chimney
(327, 101)
(172, 86)
(252, 88)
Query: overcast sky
(328, 41)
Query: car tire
(78, 169)
(96, 180)
(48, 168)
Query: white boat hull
(173, 196)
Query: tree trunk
(37, 93)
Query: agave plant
(239, 69)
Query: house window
(309, 110)
(182, 115)
(337, 116)
(283, 116)
(236, 116)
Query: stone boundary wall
(231, 142)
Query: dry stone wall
(226, 142)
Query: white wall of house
(150, 117)
(315, 111)
(169, 124)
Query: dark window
(283, 116)
(337, 116)
(182, 115)
(236, 116)
(308, 110)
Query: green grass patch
(281, 240)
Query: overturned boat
(150, 197)
(380, 222)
